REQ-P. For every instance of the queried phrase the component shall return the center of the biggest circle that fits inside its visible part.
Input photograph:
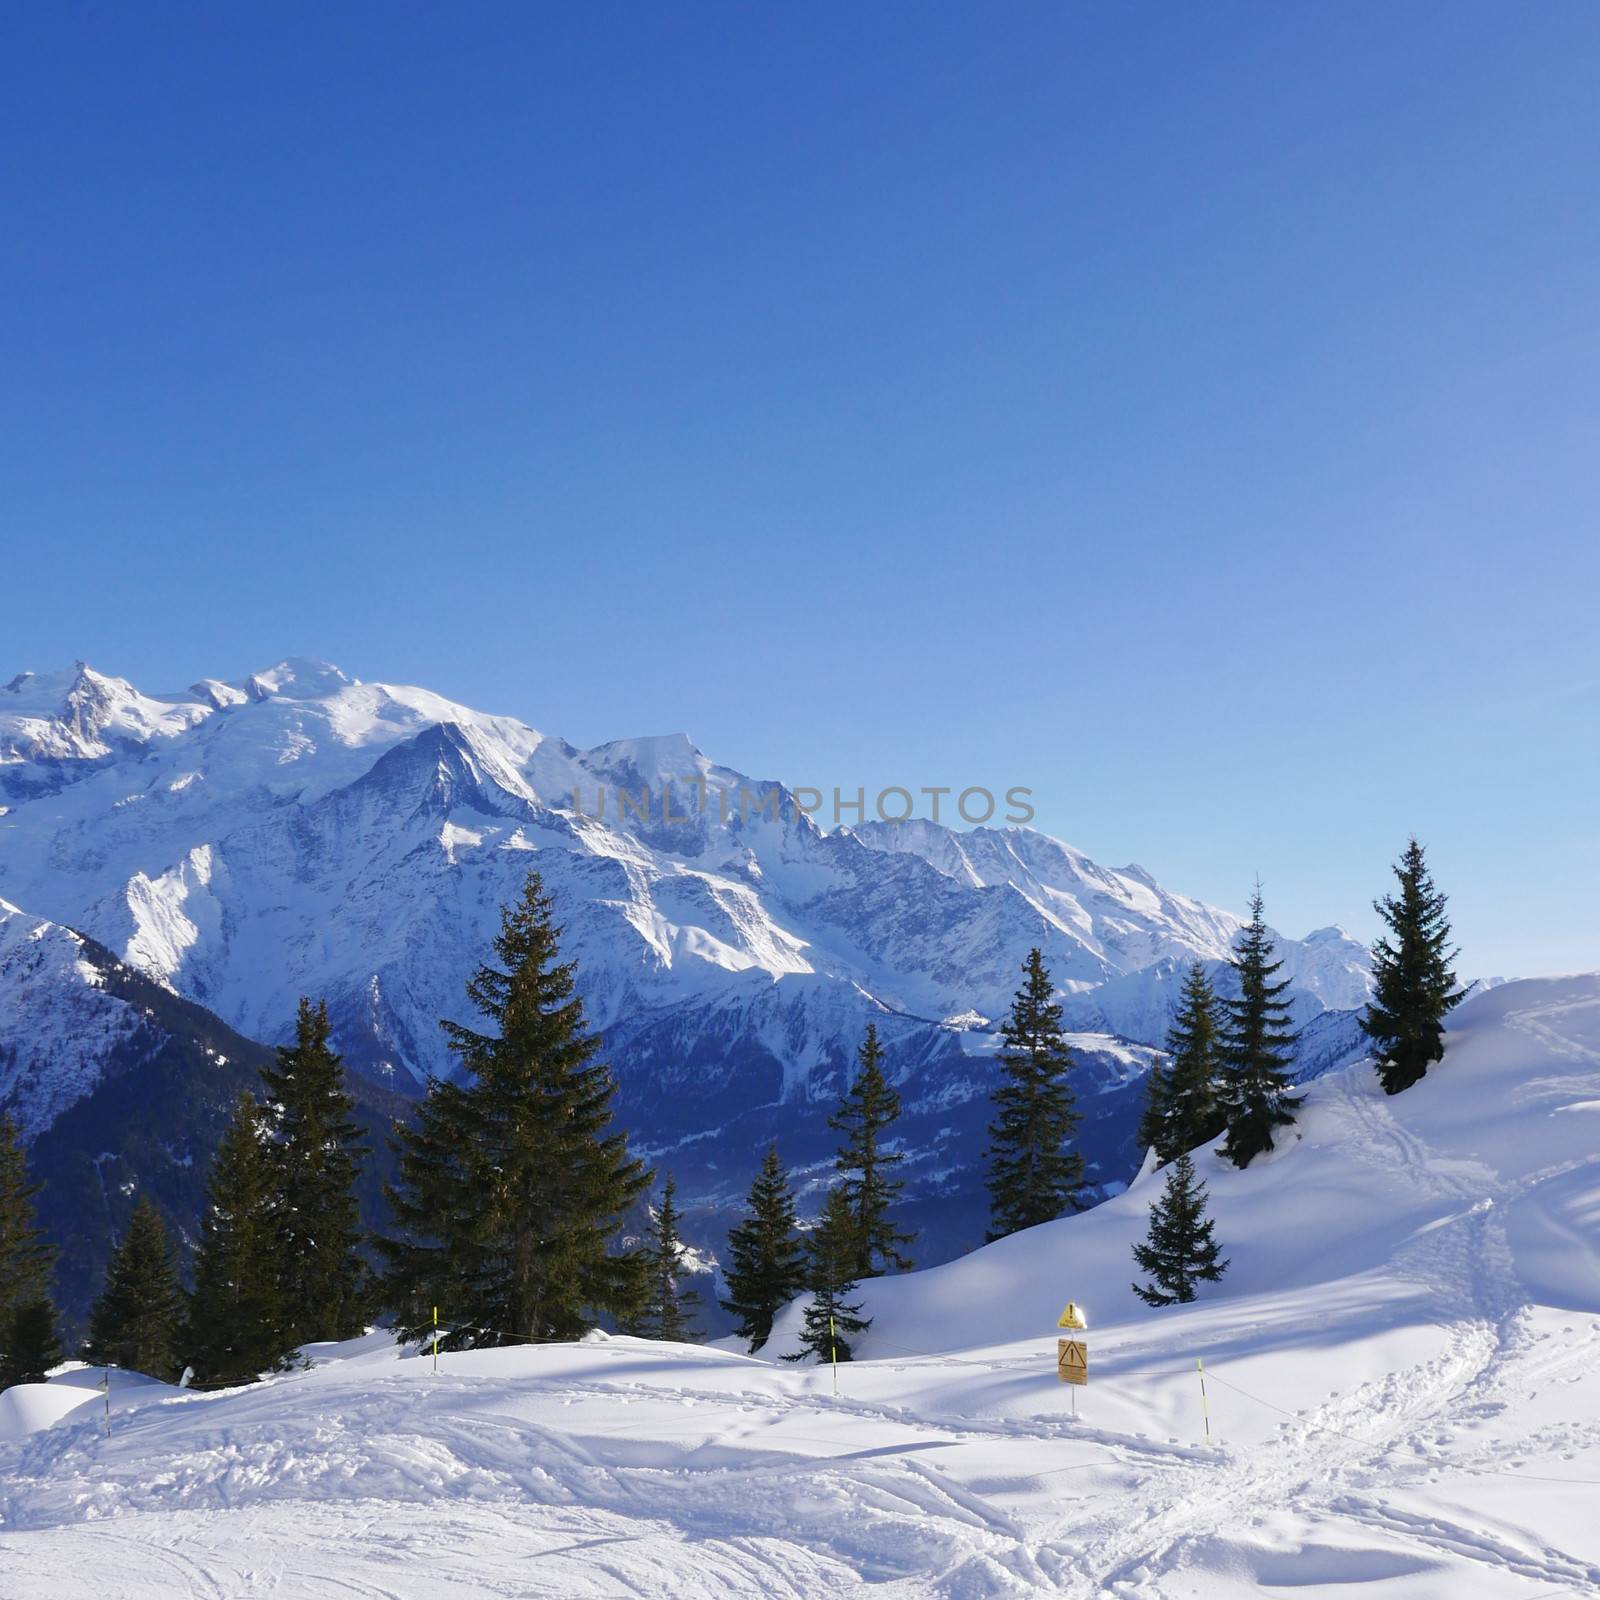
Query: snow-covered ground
(1403, 1367)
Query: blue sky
(1187, 412)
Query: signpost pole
(1072, 1353)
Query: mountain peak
(658, 756)
(79, 713)
(52, 692)
(297, 678)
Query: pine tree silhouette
(669, 1309)
(831, 1317)
(1181, 1111)
(315, 1156)
(514, 1182)
(1033, 1176)
(239, 1326)
(26, 1261)
(1257, 1047)
(868, 1111)
(1180, 1251)
(766, 1260)
(1413, 980)
(137, 1323)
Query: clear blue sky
(1187, 411)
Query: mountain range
(239, 844)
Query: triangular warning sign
(1072, 1317)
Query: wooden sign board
(1072, 1360)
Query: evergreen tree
(1155, 1121)
(766, 1260)
(239, 1327)
(315, 1155)
(831, 1317)
(137, 1323)
(1033, 1177)
(1413, 981)
(669, 1309)
(513, 1183)
(1180, 1252)
(33, 1346)
(869, 1109)
(26, 1261)
(1181, 1110)
(1257, 1048)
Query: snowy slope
(1403, 1366)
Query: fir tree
(1257, 1048)
(1155, 1121)
(831, 1317)
(238, 1325)
(869, 1109)
(766, 1260)
(137, 1323)
(26, 1260)
(316, 1155)
(513, 1183)
(1180, 1252)
(1181, 1111)
(1033, 1177)
(33, 1346)
(669, 1309)
(1413, 981)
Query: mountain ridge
(303, 832)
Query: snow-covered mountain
(121, 1089)
(301, 832)
(59, 1025)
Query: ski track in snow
(1410, 1408)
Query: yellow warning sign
(1072, 1360)
(1072, 1317)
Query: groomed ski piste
(1402, 1366)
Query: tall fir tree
(1413, 979)
(26, 1260)
(668, 1310)
(33, 1345)
(1033, 1176)
(1257, 1047)
(1181, 1111)
(1180, 1251)
(766, 1259)
(238, 1325)
(513, 1183)
(869, 1109)
(137, 1323)
(316, 1155)
(832, 1319)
